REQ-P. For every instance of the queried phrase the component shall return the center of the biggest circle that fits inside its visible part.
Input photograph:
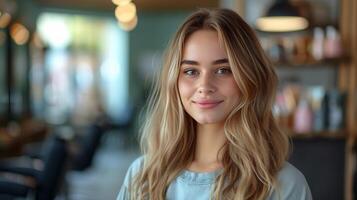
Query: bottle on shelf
(332, 47)
(303, 118)
(318, 106)
(317, 48)
(336, 110)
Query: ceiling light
(121, 2)
(282, 24)
(128, 26)
(282, 16)
(5, 19)
(125, 13)
(19, 33)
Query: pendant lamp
(282, 16)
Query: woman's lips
(207, 104)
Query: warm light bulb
(282, 23)
(121, 2)
(5, 19)
(19, 34)
(128, 26)
(125, 13)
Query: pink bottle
(303, 118)
(333, 47)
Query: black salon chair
(45, 183)
(322, 161)
(86, 147)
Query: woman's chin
(208, 121)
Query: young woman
(210, 132)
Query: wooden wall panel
(348, 82)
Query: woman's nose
(206, 84)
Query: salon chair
(322, 161)
(37, 184)
(87, 146)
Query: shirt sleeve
(292, 185)
(134, 168)
(123, 193)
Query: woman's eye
(190, 72)
(224, 71)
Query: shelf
(323, 134)
(331, 62)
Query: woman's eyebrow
(221, 61)
(192, 62)
(189, 62)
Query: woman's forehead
(204, 44)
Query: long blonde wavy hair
(255, 149)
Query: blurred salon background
(75, 76)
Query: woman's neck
(210, 139)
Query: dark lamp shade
(282, 17)
(282, 8)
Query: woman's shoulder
(133, 169)
(137, 164)
(289, 172)
(291, 184)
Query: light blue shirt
(198, 185)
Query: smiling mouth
(207, 104)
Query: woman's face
(206, 84)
